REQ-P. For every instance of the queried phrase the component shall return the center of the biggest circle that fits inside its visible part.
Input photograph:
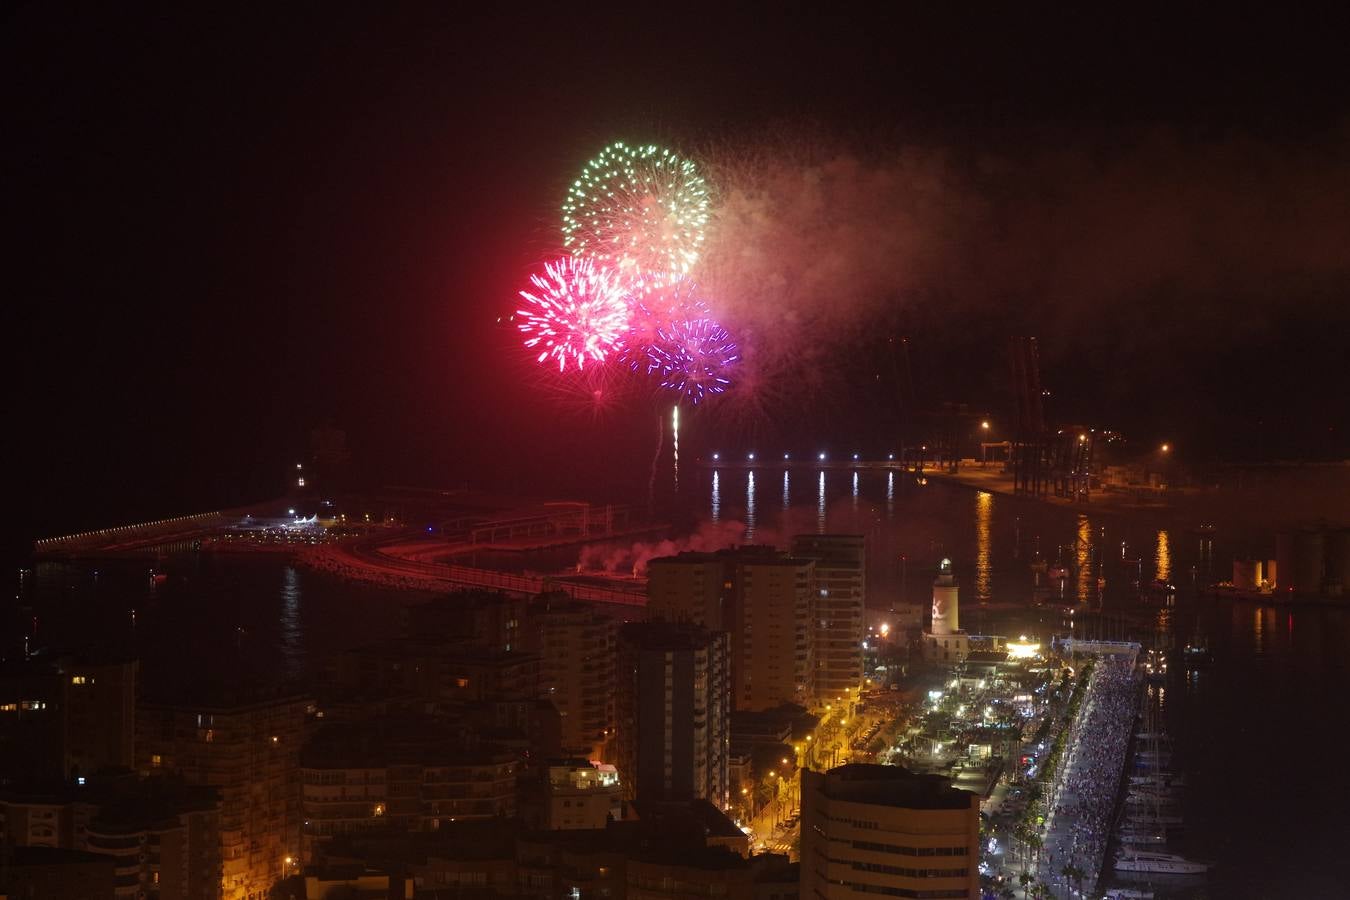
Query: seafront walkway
(365, 561)
(1083, 797)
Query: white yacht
(1142, 838)
(1149, 861)
(1127, 894)
(1149, 820)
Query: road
(369, 554)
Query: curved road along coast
(364, 560)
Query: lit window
(461, 682)
(81, 679)
(9, 707)
(156, 760)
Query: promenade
(1082, 798)
(365, 561)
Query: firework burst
(642, 210)
(652, 308)
(576, 313)
(694, 357)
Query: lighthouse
(946, 613)
(944, 641)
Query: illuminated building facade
(763, 598)
(944, 641)
(837, 609)
(870, 829)
(67, 718)
(671, 711)
(575, 645)
(249, 750)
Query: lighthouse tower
(946, 615)
(944, 641)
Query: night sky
(230, 228)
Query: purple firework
(693, 357)
(653, 308)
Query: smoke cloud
(708, 536)
(1154, 237)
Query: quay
(368, 561)
(1082, 799)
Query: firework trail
(642, 210)
(656, 459)
(576, 313)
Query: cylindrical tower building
(946, 615)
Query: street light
(985, 424)
(1166, 448)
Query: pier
(1082, 798)
(364, 560)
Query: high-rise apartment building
(164, 836)
(763, 598)
(671, 711)
(575, 645)
(690, 587)
(869, 829)
(167, 851)
(249, 750)
(773, 650)
(68, 717)
(400, 773)
(838, 609)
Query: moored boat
(1150, 861)
(1142, 838)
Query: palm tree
(1074, 874)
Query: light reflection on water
(984, 579)
(750, 505)
(1085, 582)
(292, 635)
(1162, 554)
(716, 497)
(820, 505)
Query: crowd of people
(1083, 797)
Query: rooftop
(892, 786)
(659, 635)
